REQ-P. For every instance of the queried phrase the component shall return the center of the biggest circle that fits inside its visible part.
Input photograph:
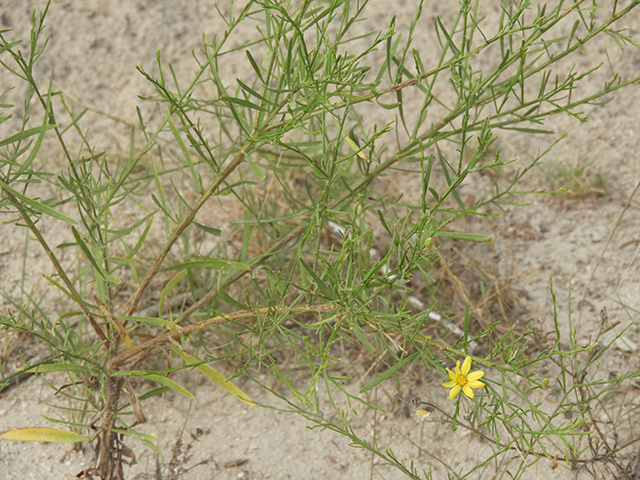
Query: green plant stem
(186, 221)
(75, 296)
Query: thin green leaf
(535, 131)
(254, 64)
(92, 261)
(389, 372)
(211, 230)
(185, 152)
(26, 134)
(467, 237)
(57, 367)
(244, 103)
(168, 288)
(316, 278)
(154, 377)
(209, 263)
(155, 392)
(38, 206)
(256, 171)
(225, 297)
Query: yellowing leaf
(35, 434)
(216, 377)
(154, 377)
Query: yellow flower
(422, 414)
(461, 379)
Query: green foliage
(299, 150)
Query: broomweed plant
(255, 211)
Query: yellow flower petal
(450, 384)
(466, 366)
(475, 376)
(454, 391)
(467, 391)
(458, 368)
(476, 384)
(452, 375)
(422, 414)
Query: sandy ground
(94, 49)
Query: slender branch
(56, 264)
(417, 402)
(186, 221)
(213, 321)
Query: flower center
(461, 380)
